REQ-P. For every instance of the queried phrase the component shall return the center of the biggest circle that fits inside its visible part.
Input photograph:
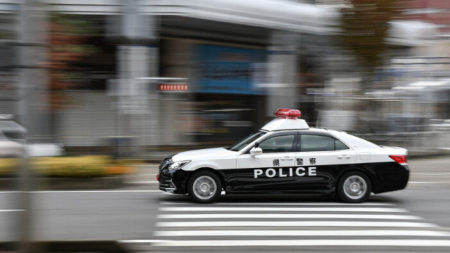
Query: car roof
(11, 126)
(317, 130)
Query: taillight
(401, 159)
(157, 177)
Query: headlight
(178, 165)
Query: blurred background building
(102, 81)
(161, 74)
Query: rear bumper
(391, 178)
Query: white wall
(89, 117)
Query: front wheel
(204, 187)
(354, 187)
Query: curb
(69, 246)
(69, 183)
(428, 156)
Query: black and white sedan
(287, 156)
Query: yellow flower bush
(9, 165)
(83, 166)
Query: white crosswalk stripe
(293, 224)
(309, 233)
(284, 204)
(283, 209)
(289, 215)
(312, 224)
(303, 243)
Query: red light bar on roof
(173, 87)
(288, 113)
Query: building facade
(240, 60)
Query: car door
(269, 171)
(321, 158)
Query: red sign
(174, 87)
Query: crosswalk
(185, 224)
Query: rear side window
(311, 143)
(339, 145)
(276, 144)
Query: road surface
(141, 218)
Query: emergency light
(288, 113)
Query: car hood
(202, 154)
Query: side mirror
(256, 151)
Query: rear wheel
(354, 187)
(204, 187)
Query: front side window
(311, 143)
(281, 143)
(247, 140)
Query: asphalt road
(144, 219)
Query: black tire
(354, 195)
(207, 180)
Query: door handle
(343, 156)
(287, 158)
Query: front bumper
(173, 181)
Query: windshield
(247, 140)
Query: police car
(287, 156)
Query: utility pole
(32, 94)
(135, 33)
(24, 175)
